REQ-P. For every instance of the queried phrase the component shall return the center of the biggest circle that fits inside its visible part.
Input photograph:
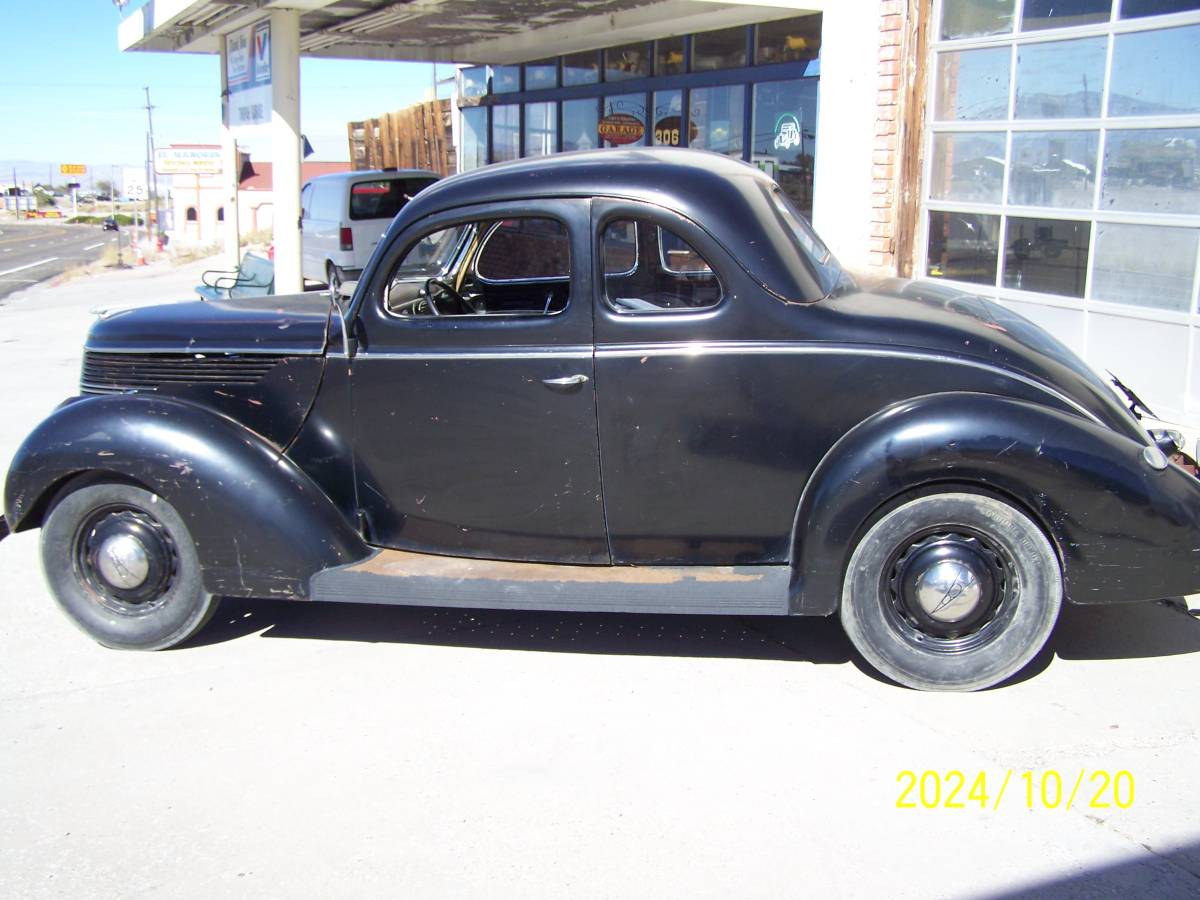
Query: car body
(110, 224)
(620, 380)
(344, 214)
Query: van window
(324, 206)
(384, 198)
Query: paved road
(32, 253)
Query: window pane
(788, 40)
(717, 115)
(785, 146)
(1060, 80)
(1154, 170)
(969, 18)
(506, 79)
(474, 137)
(649, 269)
(383, 199)
(724, 49)
(624, 120)
(668, 56)
(541, 75)
(1134, 9)
(524, 249)
(973, 84)
(579, 125)
(506, 132)
(581, 68)
(474, 81)
(1061, 13)
(541, 129)
(668, 118)
(1046, 255)
(968, 167)
(630, 61)
(963, 246)
(1156, 73)
(1054, 168)
(1147, 265)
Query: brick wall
(882, 255)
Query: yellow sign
(72, 169)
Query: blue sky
(68, 95)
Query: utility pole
(150, 164)
(147, 186)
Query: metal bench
(255, 277)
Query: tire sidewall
(187, 607)
(1038, 597)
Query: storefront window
(541, 129)
(506, 79)
(1147, 265)
(668, 118)
(788, 40)
(1046, 255)
(624, 120)
(716, 117)
(541, 75)
(724, 49)
(1133, 9)
(579, 125)
(1058, 14)
(1053, 168)
(1156, 73)
(506, 132)
(785, 132)
(973, 84)
(581, 68)
(974, 18)
(968, 167)
(474, 137)
(668, 56)
(1061, 79)
(630, 61)
(963, 246)
(475, 81)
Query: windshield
(820, 260)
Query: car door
(474, 390)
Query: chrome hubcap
(123, 562)
(948, 591)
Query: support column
(230, 174)
(285, 147)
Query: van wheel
(951, 592)
(121, 564)
(333, 277)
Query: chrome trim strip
(574, 352)
(730, 348)
(191, 349)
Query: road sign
(72, 169)
(187, 160)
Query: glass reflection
(668, 118)
(724, 49)
(968, 167)
(624, 120)
(579, 120)
(785, 138)
(963, 246)
(630, 61)
(971, 18)
(1135, 9)
(1147, 265)
(1054, 168)
(474, 137)
(540, 75)
(1156, 73)
(506, 132)
(1040, 14)
(541, 129)
(581, 68)
(668, 56)
(716, 117)
(506, 79)
(973, 84)
(1061, 79)
(1152, 170)
(788, 40)
(1046, 255)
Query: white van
(343, 216)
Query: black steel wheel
(951, 592)
(121, 564)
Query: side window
(505, 267)
(306, 193)
(650, 269)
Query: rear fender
(1122, 529)
(260, 525)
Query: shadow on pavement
(1120, 631)
(1160, 874)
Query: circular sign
(621, 128)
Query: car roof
(373, 175)
(728, 198)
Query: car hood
(941, 319)
(288, 324)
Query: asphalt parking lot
(341, 750)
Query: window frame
(1103, 125)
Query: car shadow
(1118, 631)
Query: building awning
(466, 31)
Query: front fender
(1123, 530)
(260, 525)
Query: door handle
(567, 381)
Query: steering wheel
(445, 290)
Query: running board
(418, 579)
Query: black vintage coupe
(628, 380)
